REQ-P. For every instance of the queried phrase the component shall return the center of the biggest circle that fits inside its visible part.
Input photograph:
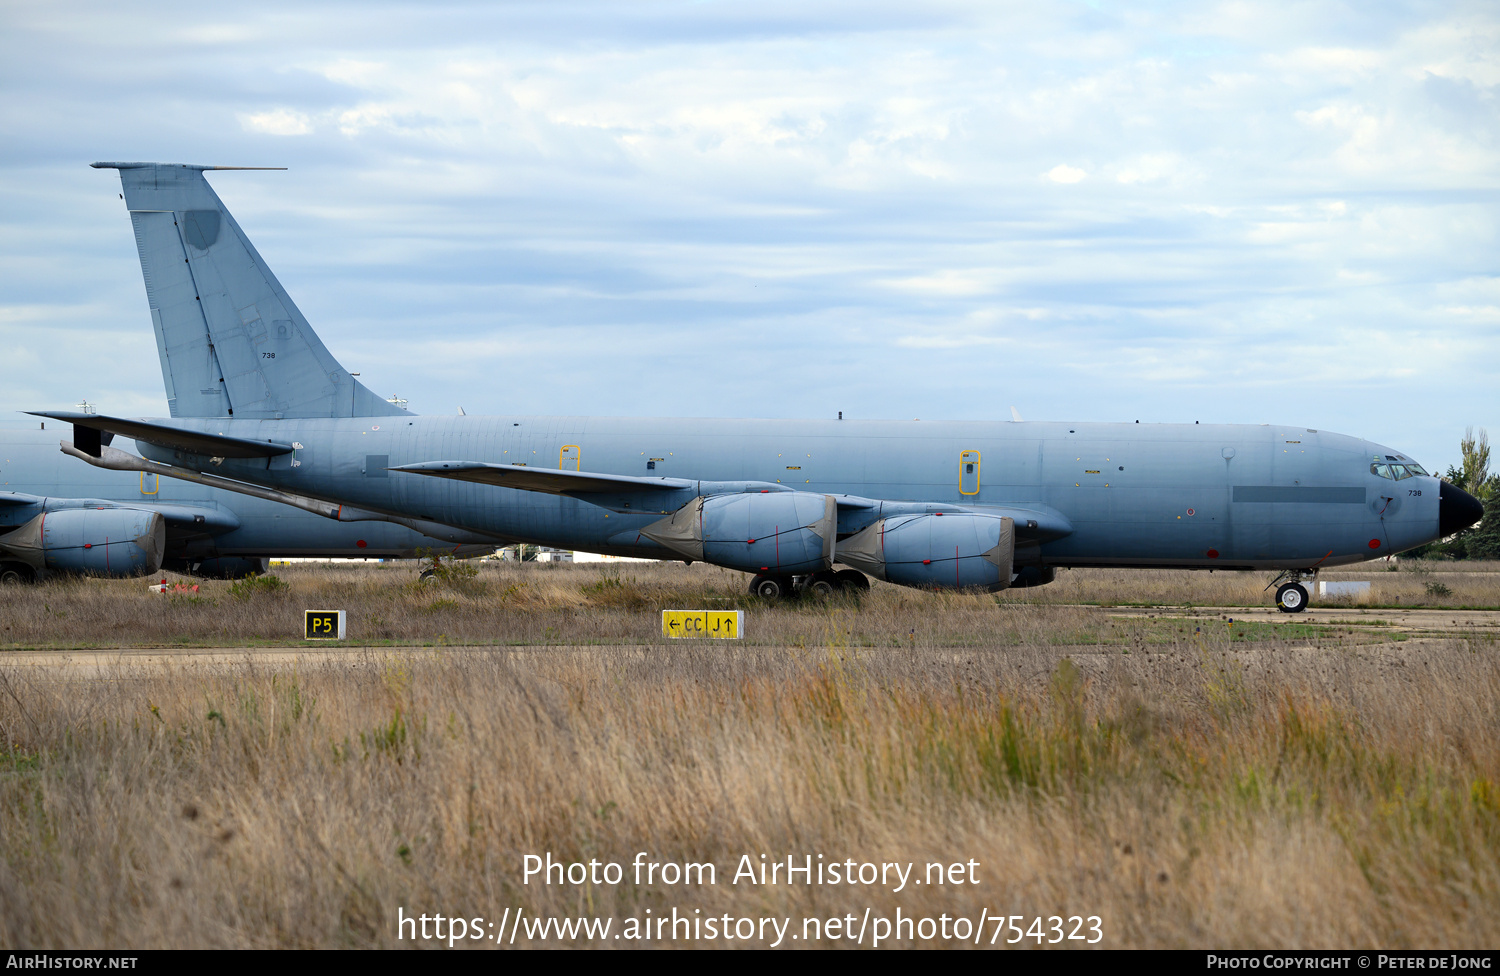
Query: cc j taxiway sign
(725, 624)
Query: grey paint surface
(1192, 496)
(1131, 494)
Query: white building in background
(545, 555)
(594, 557)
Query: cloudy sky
(1218, 211)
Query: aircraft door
(968, 472)
(571, 455)
(150, 487)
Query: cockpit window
(1397, 472)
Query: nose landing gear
(1291, 595)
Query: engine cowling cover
(949, 550)
(102, 542)
(778, 532)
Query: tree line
(1472, 474)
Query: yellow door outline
(570, 452)
(968, 472)
(155, 484)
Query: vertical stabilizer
(232, 343)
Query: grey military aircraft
(258, 402)
(59, 517)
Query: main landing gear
(773, 586)
(1291, 595)
(16, 573)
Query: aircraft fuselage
(1170, 495)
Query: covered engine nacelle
(219, 567)
(101, 542)
(759, 532)
(951, 550)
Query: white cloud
(1150, 168)
(277, 122)
(966, 282)
(576, 191)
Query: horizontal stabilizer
(550, 481)
(169, 437)
(192, 166)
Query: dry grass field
(1292, 783)
(580, 604)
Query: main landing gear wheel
(427, 576)
(14, 574)
(852, 580)
(1291, 597)
(772, 587)
(825, 583)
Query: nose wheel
(1291, 598)
(1291, 595)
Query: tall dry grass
(1191, 794)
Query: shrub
(250, 586)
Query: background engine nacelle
(101, 542)
(777, 532)
(950, 550)
(220, 567)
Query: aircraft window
(1384, 470)
(1416, 469)
(1399, 472)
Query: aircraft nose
(1457, 509)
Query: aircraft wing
(17, 498)
(549, 480)
(162, 435)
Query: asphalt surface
(1408, 623)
